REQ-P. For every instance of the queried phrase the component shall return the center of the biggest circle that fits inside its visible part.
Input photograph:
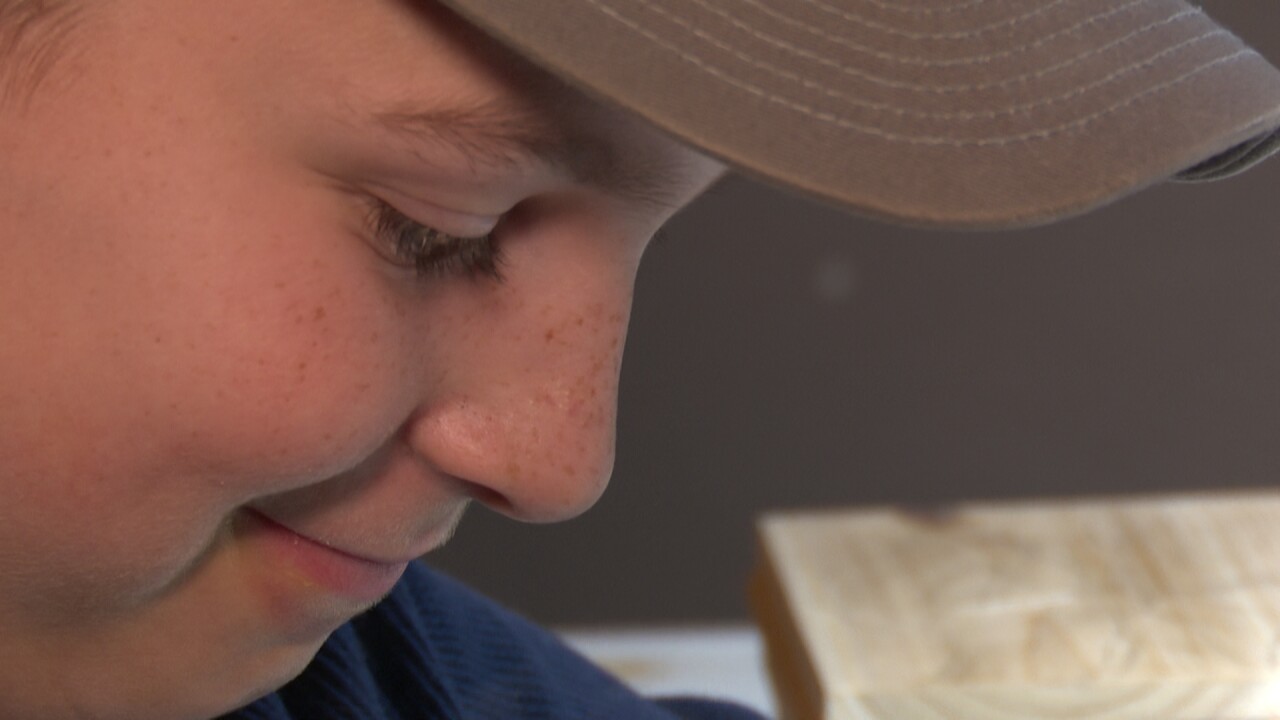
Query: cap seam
(957, 7)
(913, 60)
(956, 88)
(887, 29)
(1024, 109)
(929, 140)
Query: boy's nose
(525, 411)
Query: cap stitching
(866, 22)
(939, 90)
(957, 7)
(832, 119)
(919, 61)
(1025, 108)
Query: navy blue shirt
(435, 650)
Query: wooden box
(1153, 608)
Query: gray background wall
(783, 355)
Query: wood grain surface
(1164, 608)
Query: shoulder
(485, 661)
(500, 665)
(437, 649)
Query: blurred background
(786, 355)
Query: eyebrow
(500, 138)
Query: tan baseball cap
(959, 113)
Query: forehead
(416, 71)
(351, 50)
(358, 80)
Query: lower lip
(352, 577)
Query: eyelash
(432, 253)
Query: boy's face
(204, 328)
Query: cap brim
(959, 114)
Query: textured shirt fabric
(435, 650)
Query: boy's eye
(430, 252)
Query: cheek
(155, 388)
(211, 362)
(286, 361)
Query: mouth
(361, 579)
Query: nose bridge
(529, 423)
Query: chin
(253, 679)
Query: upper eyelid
(429, 214)
(381, 211)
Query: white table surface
(719, 662)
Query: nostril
(489, 497)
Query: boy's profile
(285, 285)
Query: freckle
(328, 436)
(580, 321)
(302, 365)
(513, 469)
(299, 319)
(159, 339)
(319, 313)
(569, 470)
(280, 285)
(551, 335)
